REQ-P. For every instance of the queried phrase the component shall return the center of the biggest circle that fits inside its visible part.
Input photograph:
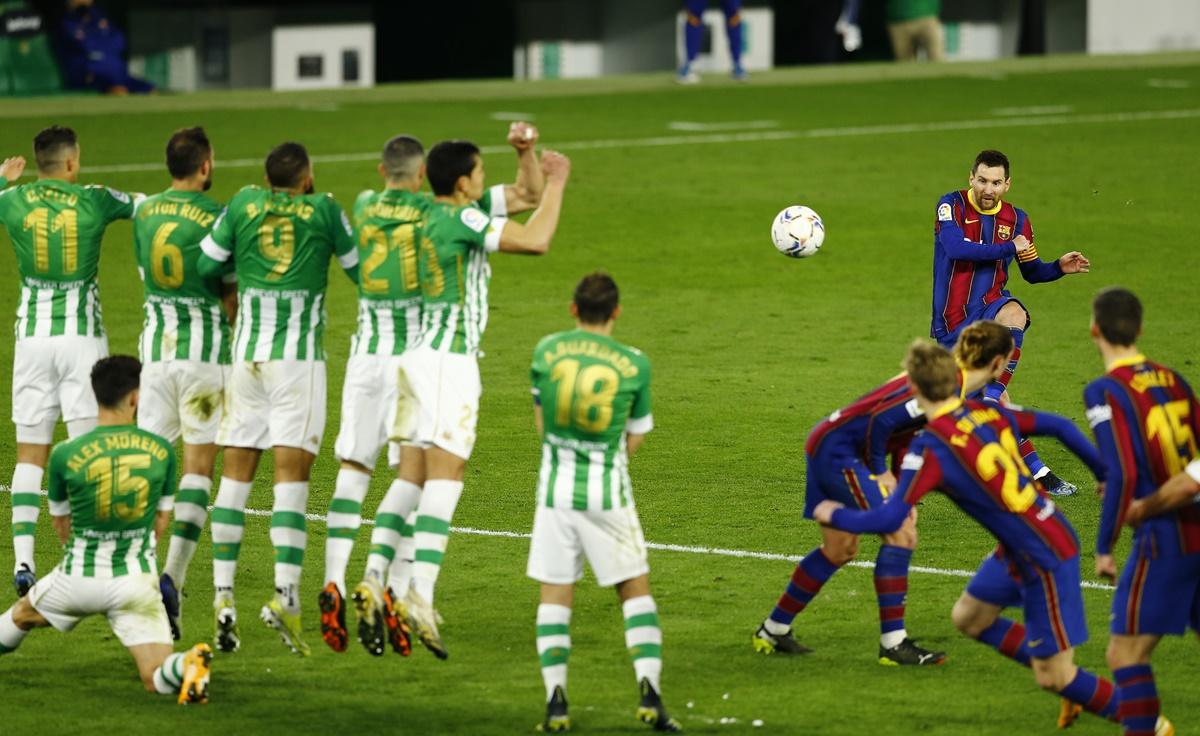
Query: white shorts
(276, 403)
(183, 397)
(52, 376)
(437, 401)
(132, 604)
(368, 409)
(611, 542)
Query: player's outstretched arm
(1045, 424)
(533, 237)
(1181, 489)
(526, 192)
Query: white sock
(439, 498)
(774, 628)
(1042, 473)
(401, 499)
(345, 518)
(400, 573)
(191, 511)
(643, 637)
(553, 645)
(168, 678)
(289, 535)
(892, 639)
(228, 526)
(11, 635)
(26, 506)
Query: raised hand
(522, 136)
(555, 166)
(12, 168)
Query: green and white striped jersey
(184, 319)
(112, 481)
(56, 228)
(281, 245)
(592, 391)
(388, 226)
(455, 273)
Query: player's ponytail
(982, 342)
(932, 370)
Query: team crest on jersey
(1004, 231)
(474, 219)
(944, 212)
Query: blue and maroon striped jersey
(969, 452)
(848, 427)
(972, 249)
(1146, 421)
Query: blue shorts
(1052, 601)
(988, 312)
(1157, 596)
(840, 477)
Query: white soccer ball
(798, 232)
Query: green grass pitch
(749, 350)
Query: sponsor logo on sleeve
(913, 408)
(944, 213)
(1099, 414)
(474, 219)
(912, 462)
(346, 224)
(119, 196)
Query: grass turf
(749, 350)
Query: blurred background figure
(914, 26)
(693, 31)
(847, 26)
(93, 52)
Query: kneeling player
(836, 448)
(592, 408)
(969, 451)
(111, 494)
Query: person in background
(914, 25)
(693, 34)
(92, 52)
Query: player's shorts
(368, 409)
(1052, 601)
(989, 311)
(843, 478)
(1158, 595)
(183, 397)
(276, 403)
(611, 541)
(437, 401)
(132, 604)
(52, 377)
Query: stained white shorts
(183, 397)
(437, 401)
(276, 403)
(132, 604)
(611, 541)
(52, 377)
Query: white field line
(687, 549)
(743, 137)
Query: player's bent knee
(969, 617)
(1013, 315)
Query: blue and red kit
(972, 250)
(1147, 423)
(969, 452)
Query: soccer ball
(798, 232)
